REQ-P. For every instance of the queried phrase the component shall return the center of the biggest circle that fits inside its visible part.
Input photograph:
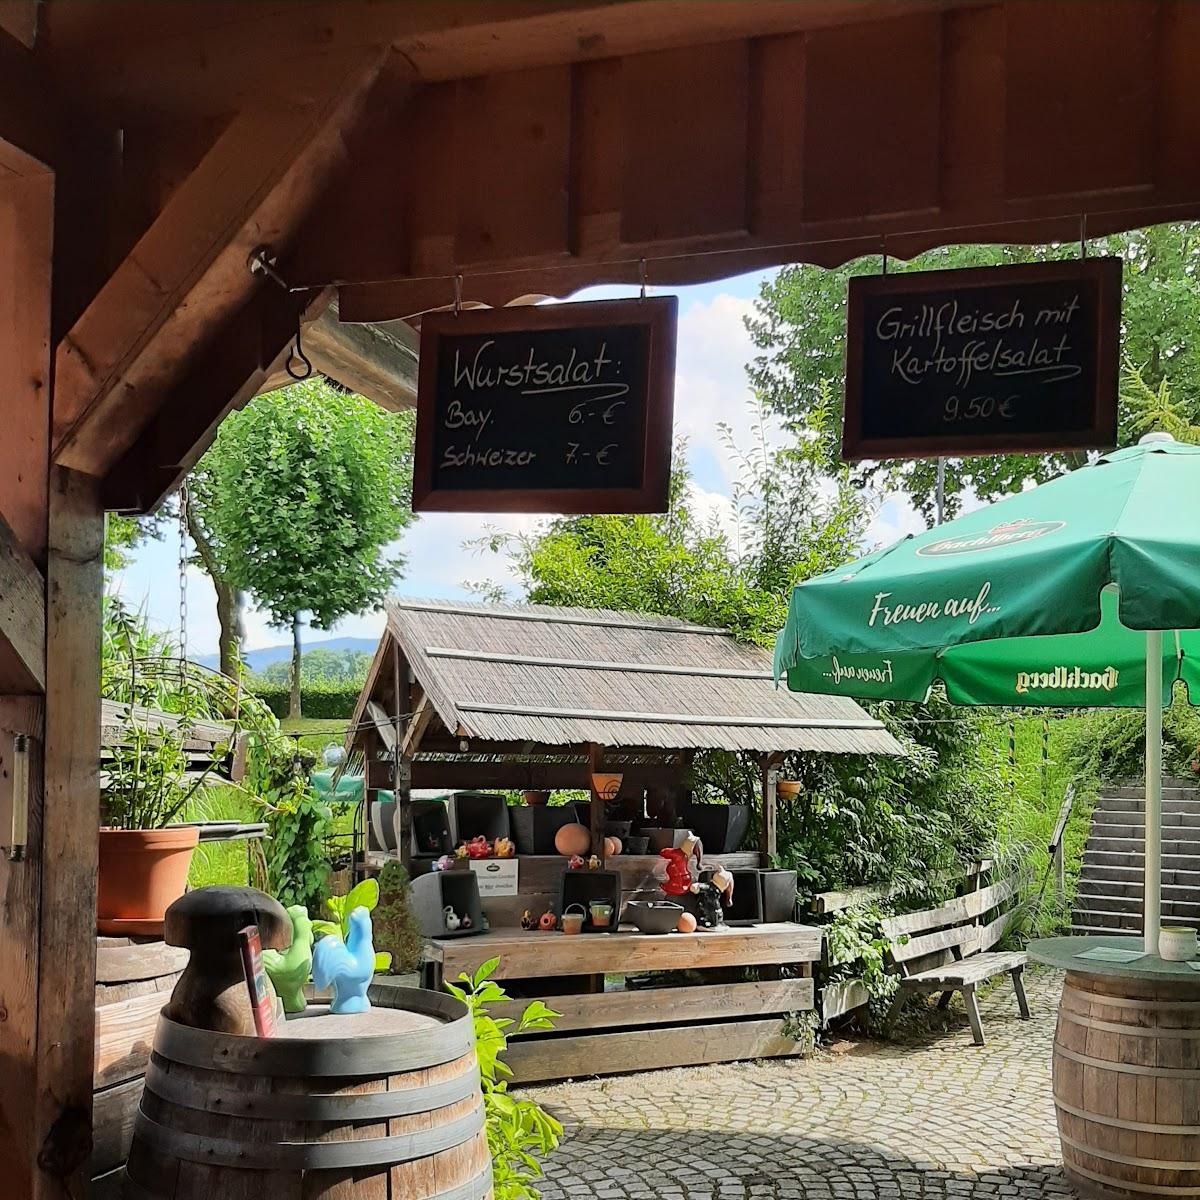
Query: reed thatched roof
(566, 676)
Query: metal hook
(457, 294)
(1083, 235)
(883, 253)
(296, 354)
(642, 275)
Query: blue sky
(710, 387)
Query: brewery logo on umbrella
(999, 535)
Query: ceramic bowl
(653, 916)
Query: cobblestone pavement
(929, 1116)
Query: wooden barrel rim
(1130, 1160)
(1154, 1031)
(311, 1106)
(1125, 1123)
(306, 1156)
(1128, 1185)
(1106, 1064)
(380, 1054)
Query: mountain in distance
(259, 660)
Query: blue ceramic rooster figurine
(347, 966)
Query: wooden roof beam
(188, 273)
(232, 369)
(377, 361)
(22, 618)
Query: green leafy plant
(519, 1132)
(396, 931)
(801, 1027)
(858, 949)
(362, 895)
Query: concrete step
(1096, 902)
(1129, 819)
(1189, 846)
(1106, 873)
(1110, 920)
(1137, 791)
(1133, 858)
(1082, 929)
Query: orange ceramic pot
(142, 871)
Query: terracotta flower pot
(142, 871)
(534, 799)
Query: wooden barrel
(384, 1105)
(1127, 1086)
(133, 981)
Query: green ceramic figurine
(289, 969)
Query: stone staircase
(1109, 898)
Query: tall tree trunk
(229, 617)
(294, 702)
(229, 600)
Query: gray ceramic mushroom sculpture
(211, 993)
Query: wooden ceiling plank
(200, 54)
(1064, 133)
(693, 149)
(19, 19)
(515, 214)
(189, 271)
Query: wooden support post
(67, 961)
(595, 758)
(768, 842)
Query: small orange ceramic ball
(573, 839)
(687, 923)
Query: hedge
(326, 700)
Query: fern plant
(519, 1132)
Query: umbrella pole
(1152, 898)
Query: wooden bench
(948, 949)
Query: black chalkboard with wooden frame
(990, 360)
(558, 408)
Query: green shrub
(396, 929)
(325, 700)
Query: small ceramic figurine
(347, 967)
(528, 921)
(708, 901)
(504, 848)
(594, 863)
(575, 863)
(722, 880)
(444, 863)
(289, 969)
(465, 922)
(547, 921)
(479, 847)
(461, 852)
(450, 919)
(679, 865)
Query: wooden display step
(530, 955)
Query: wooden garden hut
(384, 151)
(516, 696)
(489, 698)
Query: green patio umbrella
(1059, 596)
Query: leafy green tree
(299, 499)
(799, 330)
(789, 521)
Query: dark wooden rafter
(188, 273)
(29, 119)
(237, 364)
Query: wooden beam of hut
(189, 271)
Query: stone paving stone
(932, 1117)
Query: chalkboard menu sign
(986, 361)
(557, 408)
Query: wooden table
(1126, 1070)
(606, 1027)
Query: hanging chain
(183, 565)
